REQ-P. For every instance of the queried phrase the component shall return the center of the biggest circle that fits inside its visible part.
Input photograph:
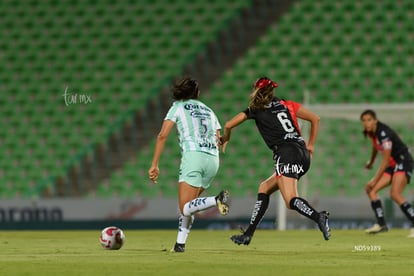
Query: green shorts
(198, 169)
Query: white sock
(184, 226)
(199, 204)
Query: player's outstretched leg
(203, 203)
(304, 208)
(259, 210)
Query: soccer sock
(379, 211)
(184, 226)
(304, 208)
(198, 204)
(408, 211)
(258, 212)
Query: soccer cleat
(241, 239)
(221, 200)
(411, 235)
(178, 247)
(376, 228)
(324, 225)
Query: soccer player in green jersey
(198, 131)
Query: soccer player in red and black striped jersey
(276, 120)
(396, 169)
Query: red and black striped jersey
(386, 138)
(277, 123)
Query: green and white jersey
(196, 124)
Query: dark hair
(186, 88)
(372, 114)
(368, 112)
(262, 93)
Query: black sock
(408, 211)
(258, 212)
(304, 208)
(379, 211)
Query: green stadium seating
(117, 53)
(121, 54)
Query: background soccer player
(276, 121)
(396, 168)
(198, 130)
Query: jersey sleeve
(172, 113)
(385, 140)
(293, 106)
(248, 113)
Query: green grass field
(293, 252)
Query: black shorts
(291, 160)
(403, 167)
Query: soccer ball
(112, 238)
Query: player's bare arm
(235, 121)
(370, 162)
(314, 119)
(154, 171)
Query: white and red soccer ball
(112, 238)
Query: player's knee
(263, 187)
(181, 207)
(372, 193)
(395, 196)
